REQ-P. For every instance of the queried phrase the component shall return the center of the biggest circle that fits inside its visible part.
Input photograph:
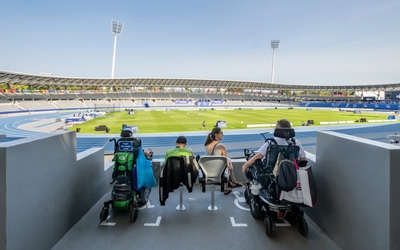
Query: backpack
(286, 175)
(279, 160)
(123, 161)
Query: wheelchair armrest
(302, 163)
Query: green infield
(155, 121)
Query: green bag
(123, 161)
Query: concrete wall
(45, 188)
(358, 183)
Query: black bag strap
(212, 152)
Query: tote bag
(144, 172)
(308, 186)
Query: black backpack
(286, 178)
(283, 157)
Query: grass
(154, 121)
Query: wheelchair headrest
(126, 133)
(284, 133)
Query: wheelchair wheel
(255, 206)
(247, 195)
(133, 212)
(268, 225)
(104, 214)
(144, 195)
(303, 227)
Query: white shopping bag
(294, 196)
(308, 188)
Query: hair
(211, 135)
(283, 123)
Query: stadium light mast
(274, 46)
(116, 28)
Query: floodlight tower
(274, 46)
(116, 28)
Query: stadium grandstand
(24, 92)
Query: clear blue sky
(321, 42)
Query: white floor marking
(106, 223)
(238, 224)
(236, 202)
(240, 199)
(148, 205)
(153, 224)
(285, 224)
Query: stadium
(32, 104)
(75, 142)
(24, 93)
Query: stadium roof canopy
(46, 80)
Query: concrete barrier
(46, 187)
(358, 205)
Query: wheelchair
(124, 195)
(261, 191)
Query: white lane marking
(106, 223)
(234, 224)
(154, 224)
(285, 224)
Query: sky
(322, 42)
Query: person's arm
(259, 155)
(222, 149)
(251, 161)
(302, 152)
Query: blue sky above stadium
(321, 42)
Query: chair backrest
(213, 167)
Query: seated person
(215, 147)
(179, 149)
(283, 123)
(173, 175)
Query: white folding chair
(213, 167)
